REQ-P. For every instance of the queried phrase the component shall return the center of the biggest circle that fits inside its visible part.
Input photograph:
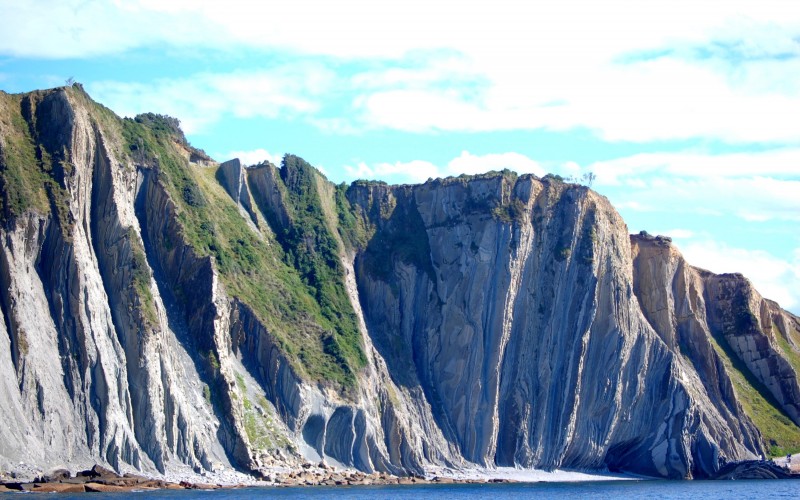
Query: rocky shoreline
(99, 479)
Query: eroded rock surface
(501, 320)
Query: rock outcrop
(92, 369)
(166, 313)
(521, 327)
(231, 176)
(700, 307)
(754, 470)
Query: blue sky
(686, 111)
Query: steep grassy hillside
(31, 174)
(780, 434)
(291, 278)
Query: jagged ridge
(208, 315)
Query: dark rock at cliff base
(55, 476)
(98, 471)
(754, 469)
(58, 488)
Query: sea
(650, 489)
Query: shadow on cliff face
(401, 239)
(176, 312)
(396, 279)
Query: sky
(685, 111)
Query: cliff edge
(165, 312)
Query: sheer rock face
(90, 374)
(526, 337)
(699, 306)
(507, 322)
(231, 175)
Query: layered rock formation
(163, 312)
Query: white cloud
(633, 205)
(679, 234)
(774, 278)
(499, 34)
(254, 157)
(754, 199)
(401, 172)
(643, 101)
(360, 171)
(783, 163)
(443, 70)
(628, 70)
(338, 126)
(757, 186)
(466, 163)
(204, 98)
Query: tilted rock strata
(504, 320)
(527, 339)
(91, 372)
(699, 306)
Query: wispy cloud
(780, 163)
(399, 172)
(202, 99)
(571, 30)
(774, 278)
(756, 186)
(253, 157)
(465, 163)
(632, 71)
(662, 99)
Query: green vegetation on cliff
(141, 279)
(790, 352)
(21, 179)
(780, 434)
(311, 248)
(293, 280)
(31, 175)
(513, 211)
(352, 230)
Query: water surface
(704, 490)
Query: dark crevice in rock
(5, 306)
(184, 281)
(114, 252)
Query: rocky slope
(164, 312)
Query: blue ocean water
(705, 490)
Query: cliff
(165, 312)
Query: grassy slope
(312, 248)
(791, 354)
(28, 172)
(260, 420)
(21, 180)
(780, 434)
(254, 267)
